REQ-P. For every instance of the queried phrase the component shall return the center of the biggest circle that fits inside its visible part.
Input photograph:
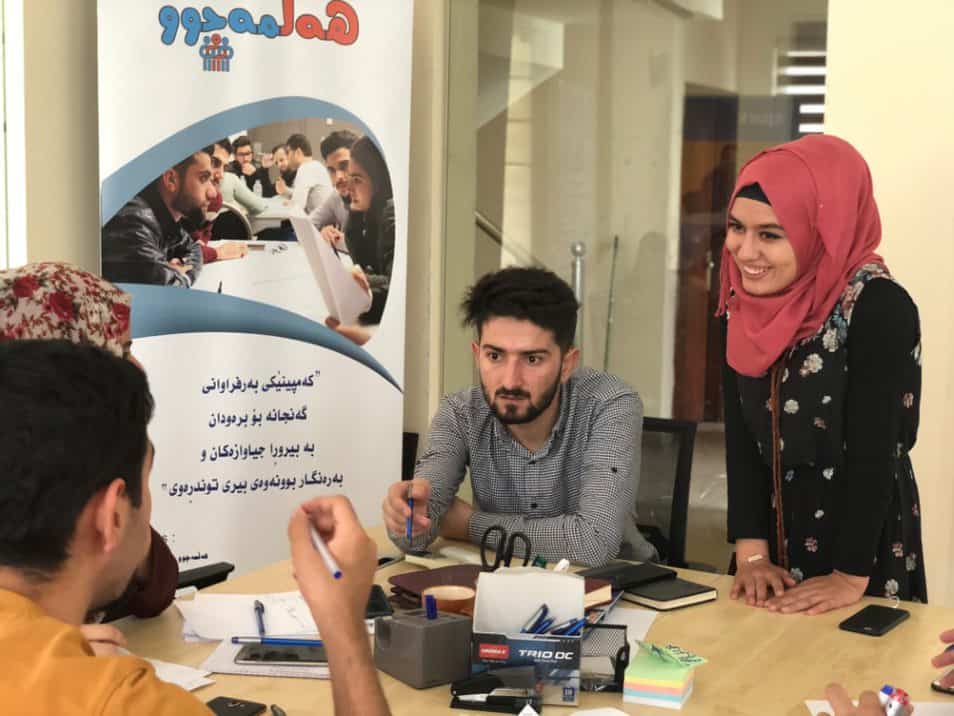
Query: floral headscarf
(54, 300)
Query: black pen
(220, 287)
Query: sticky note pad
(660, 676)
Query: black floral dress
(830, 427)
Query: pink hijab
(820, 189)
(52, 300)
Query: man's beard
(510, 414)
(186, 206)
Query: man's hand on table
(104, 639)
(868, 704)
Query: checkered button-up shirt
(571, 497)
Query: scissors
(503, 554)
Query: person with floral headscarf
(58, 301)
(822, 387)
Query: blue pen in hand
(260, 617)
(409, 525)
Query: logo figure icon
(216, 53)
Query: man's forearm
(581, 539)
(354, 680)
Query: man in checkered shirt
(552, 448)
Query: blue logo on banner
(216, 53)
(569, 693)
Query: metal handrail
(495, 233)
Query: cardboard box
(506, 599)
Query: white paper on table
(344, 298)
(599, 712)
(185, 676)
(222, 661)
(637, 621)
(222, 616)
(921, 708)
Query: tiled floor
(706, 532)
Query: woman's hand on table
(754, 580)
(820, 594)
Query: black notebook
(669, 594)
(625, 575)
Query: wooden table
(759, 663)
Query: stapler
(507, 690)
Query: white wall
(890, 94)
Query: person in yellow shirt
(75, 459)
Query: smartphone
(228, 706)
(936, 686)
(874, 620)
(389, 559)
(378, 605)
(282, 655)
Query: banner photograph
(253, 174)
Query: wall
(423, 375)
(889, 94)
(62, 146)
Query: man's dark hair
(242, 141)
(299, 141)
(340, 138)
(224, 143)
(527, 294)
(277, 147)
(73, 420)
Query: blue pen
(408, 528)
(544, 625)
(276, 641)
(563, 627)
(576, 628)
(534, 621)
(260, 617)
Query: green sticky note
(664, 665)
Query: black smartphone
(228, 706)
(378, 605)
(936, 686)
(282, 655)
(874, 620)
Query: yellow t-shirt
(47, 668)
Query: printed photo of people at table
(220, 220)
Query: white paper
(222, 616)
(921, 708)
(185, 676)
(344, 298)
(528, 710)
(599, 712)
(222, 661)
(637, 621)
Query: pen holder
(422, 652)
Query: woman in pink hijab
(822, 387)
(57, 301)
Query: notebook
(667, 594)
(624, 575)
(344, 298)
